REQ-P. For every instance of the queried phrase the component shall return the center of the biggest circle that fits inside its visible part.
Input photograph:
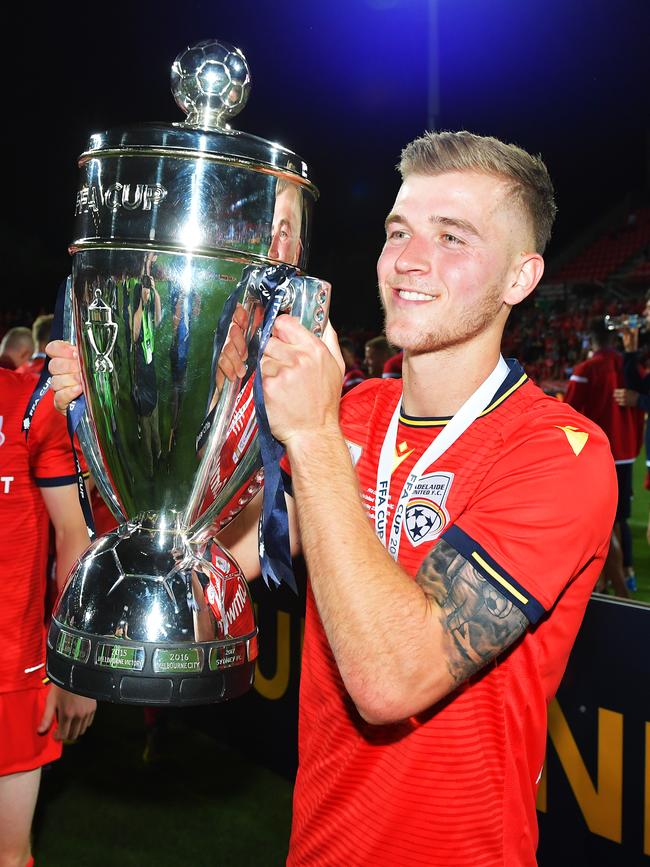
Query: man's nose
(414, 256)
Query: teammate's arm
(70, 533)
(74, 712)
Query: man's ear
(525, 276)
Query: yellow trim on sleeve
(500, 578)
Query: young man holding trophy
(453, 522)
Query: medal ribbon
(455, 427)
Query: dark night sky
(345, 85)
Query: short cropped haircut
(436, 153)
(17, 339)
(600, 333)
(42, 328)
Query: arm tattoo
(478, 620)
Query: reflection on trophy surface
(183, 235)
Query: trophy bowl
(186, 236)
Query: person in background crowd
(636, 394)
(353, 374)
(37, 481)
(16, 348)
(592, 388)
(393, 367)
(377, 352)
(41, 330)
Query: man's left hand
(302, 377)
(74, 714)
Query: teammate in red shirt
(592, 390)
(37, 480)
(470, 532)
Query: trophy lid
(211, 82)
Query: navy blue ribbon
(75, 413)
(75, 410)
(273, 531)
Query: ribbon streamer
(273, 531)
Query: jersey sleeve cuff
(493, 573)
(55, 481)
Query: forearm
(71, 541)
(385, 633)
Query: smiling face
(455, 243)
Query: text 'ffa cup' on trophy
(183, 233)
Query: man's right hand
(66, 375)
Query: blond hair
(435, 153)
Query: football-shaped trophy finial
(211, 82)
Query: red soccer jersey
(43, 460)
(591, 392)
(527, 495)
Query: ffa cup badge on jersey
(426, 516)
(355, 452)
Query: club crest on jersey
(426, 516)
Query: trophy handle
(85, 433)
(308, 299)
(192, 517)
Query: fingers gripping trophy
(189, 239)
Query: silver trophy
(180, 231)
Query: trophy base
(148, 673)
